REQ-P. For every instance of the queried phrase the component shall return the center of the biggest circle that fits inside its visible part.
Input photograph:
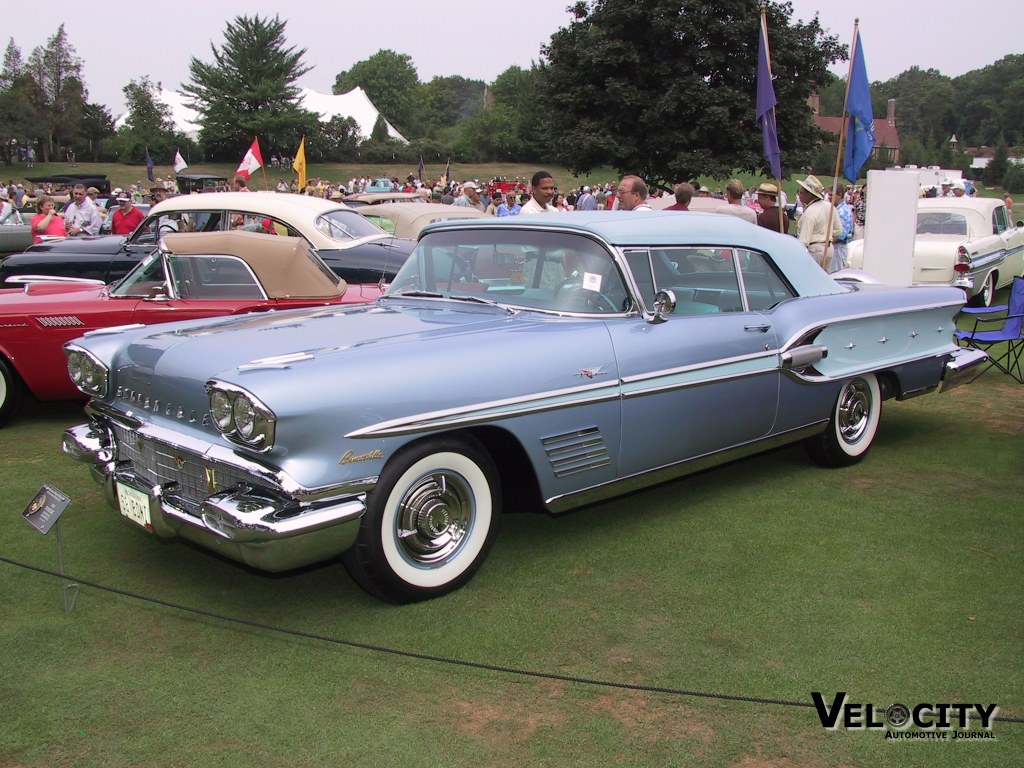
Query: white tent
(354, 104)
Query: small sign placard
(46, 508)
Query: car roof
(982, 205)
(284, 265)
(267, 203)
(410, 219)
(639, 229)
(371, 197)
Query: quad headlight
(240, 417)
(86, 372)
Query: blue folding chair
(1009, 360)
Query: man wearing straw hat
(813, 225)
(771, 215)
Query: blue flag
(149, 166)
(419, 169)
(766, 102)
(860, 138)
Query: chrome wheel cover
(854, 411)
(434, 518)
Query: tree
(249, 89)
(444, 102)
(97, 126)
(19, 118)
(680, 103)
(12, 67)
(390, 81)
(58, 73)
(149, 124)
(1013, 179)
(995, 171)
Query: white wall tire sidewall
(466, 556)
(864, 442)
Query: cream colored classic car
(964, 241)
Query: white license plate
(134, 505)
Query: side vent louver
(577, 451)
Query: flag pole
(774, 115)
(842, 140)
(263, 167)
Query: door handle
(764, 328)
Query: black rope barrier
(426, 656)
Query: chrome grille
(577, 451)
(195, 476)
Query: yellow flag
(299, 164)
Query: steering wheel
(573, 296)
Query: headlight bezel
(227, 402)
(86, 371)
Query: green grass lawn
(898, 579)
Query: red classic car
(189, 276)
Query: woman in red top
(47, 222)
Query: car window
(705, 279)
(381, 221)
(154, 227)
(147, 278)
(941, 223)
(346, 225)
(538, 270)
(213, 277)
(1000, 222)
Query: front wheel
(10, 391)
(853, 425)
(429, 523)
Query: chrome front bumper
(262, 527)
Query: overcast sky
(470, 38)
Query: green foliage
(995, 171)
(1013, 179)
(444, 102)
(19, 116)
(248, 90)
(97, 126)
(58, 74)
(390, 81)
(680, 102)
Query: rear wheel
(11, 391)
(429, 523)
(984, 297)
(853, 425)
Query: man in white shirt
(632, 194)
(542, 192)
(81, 216)
(734, 197)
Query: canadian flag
(252, 160)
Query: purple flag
(766, 102)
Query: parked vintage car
(357, 199)
(189, 276)
(527, 362)
(402, 220)
(970, 242)
(354, 248)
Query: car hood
(50, 298)
(86, 244)
(298, 361)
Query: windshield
(141, 281)
(346, 225)
(515, 267)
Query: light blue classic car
(535, 362)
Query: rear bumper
(963, 367)
(262, 527)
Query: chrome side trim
(813, 376)
(594, 494)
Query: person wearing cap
(126, 218)
(772, 215)
(684, 194)
(586, 201)
(947, 187)
(112, 200)
(959, 188)
(812, 226)
(81, 216)
(470, 197)
(158, 192)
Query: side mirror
(664, 305)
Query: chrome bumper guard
(963, 367)
(259, 527)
